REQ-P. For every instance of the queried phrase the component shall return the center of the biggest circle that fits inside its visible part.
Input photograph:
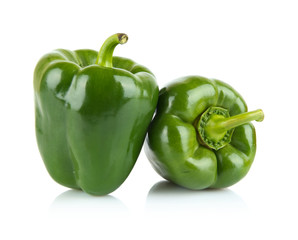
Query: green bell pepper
(201, 136)
(92, 112)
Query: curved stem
(237, 120)
(105, 54)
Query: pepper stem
(105, 54)
(237, 120)
(215, 126)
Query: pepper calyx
(208, 135)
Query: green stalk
(226, 124)
(216, 127)
(105, 54)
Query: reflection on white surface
(75, 202)
(167, 197)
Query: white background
(251, 45)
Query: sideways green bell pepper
(200, 136)
(92, 112)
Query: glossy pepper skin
(193, 139)
(92, 112)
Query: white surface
(252, 45)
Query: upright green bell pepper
(92, 112)
(200, 136)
